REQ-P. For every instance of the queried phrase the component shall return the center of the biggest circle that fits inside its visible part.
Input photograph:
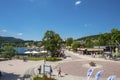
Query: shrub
(53, 59)
(92, 64)
(42, 58)
(43, 78)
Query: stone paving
(77, 69)
(74, 67)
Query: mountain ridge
(10, 39)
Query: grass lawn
(43, 78)
(42, 58)
(35, 58)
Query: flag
(116, 51)
(89, 73)
(98, 75)
(111, 78)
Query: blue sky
(30, 19)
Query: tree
(88, 43)
(107, 38)
(102, 40)
(75, 45)
(52, 42)
(69, 41)
(115, 35)
(8, 52)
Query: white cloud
(85, 25)
(20, 34)
(77, 2)
(4, 30)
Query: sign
(111, 78)
(47, 68)
(98, 75)
(89, 73)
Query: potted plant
(92, 64)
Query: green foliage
(75, 45)
(53, 59)
(92, 64)
(9, 39)
(37, 78)
(109, 38)
(84, 38)
(105, 39)
(102, 41)
(43, 78)
(89, 43)
(35, 58)
(8, 52)
(42, 58)
(69, 41)
(115, 36)
(52, 42)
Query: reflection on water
(20, 50)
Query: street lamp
(44, 62)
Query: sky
(30, 19)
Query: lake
(20, 50)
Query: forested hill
(9, 39)
(84, 38)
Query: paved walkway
(74, 61)
(14, 69)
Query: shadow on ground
(9, 76)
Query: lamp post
(44, 62)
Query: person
(59, 71)
(39, 69)
(24, 58)
(51, 71)
(0, 73)
(94, 55)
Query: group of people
(25, 58)
(93, 55)
(58, 70)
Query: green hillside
(104, 39)
(9, 39)
(86, 37)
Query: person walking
(51, 71)
(39, 69)
(59, 71)
(0, 73)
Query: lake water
(20, 50)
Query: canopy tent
(35, 52)
(27, 52)
(90, 49)
(43, 51)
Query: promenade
(74, 67)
